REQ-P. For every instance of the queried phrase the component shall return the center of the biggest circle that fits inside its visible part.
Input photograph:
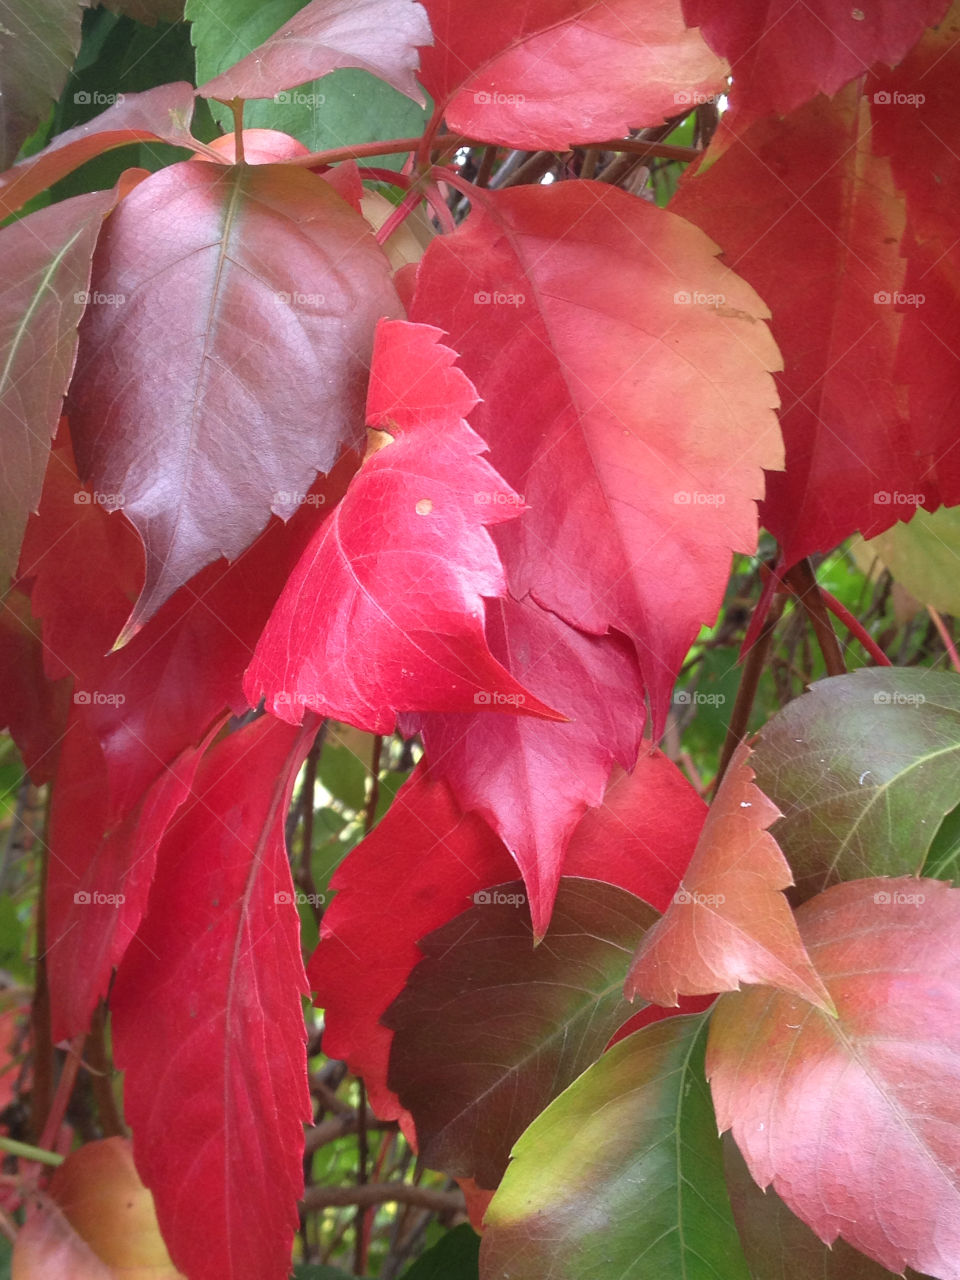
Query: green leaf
(943, 860)
(40, 39)
(863, 767)
(344, 108)
(315, 1271)
(922, 555)
(454, 1257)
(622, 1175)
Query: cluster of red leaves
(516, 590)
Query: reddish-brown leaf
(782, 53)
(207, 1019)
(811, 218)
(509, 1024)
(45, 291)
(40, 42)
(624, 393)
(33, 708)
(212, 386)
(379, 36)
(424, 862)
(553, 72)
(384, 612)
(856, 1119)
(158, 115)
(532, 781)
(729, 922)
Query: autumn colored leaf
(424, 862)
(533, 781)
(621, 1175)
(40, 42)
(32, 708)
(729, 922)
(407, 559)
(855, 1119)
(157, 115)
(912, 108)
(379, 36)
(818, 238)
(776, 1244)
(519, 1022)
(163, 691)
(207, 1020)
(863, 769)
(781, 54)
(100, 871)
(44, 295)
(96, 1194)
(625, 395)
(515, 74)
(922, 557)
(241, 384)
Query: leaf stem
(802, 583)
(27, 1152)
(756, 658)
(855, 627)
(945, 636)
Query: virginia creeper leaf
(856, 1120)
(40, 39)
(776, 1244)
(863, 768)
(100, 870)
(912, 109)
(624, 393)
(405, 561)
(207, 1020)
(422, 865)
(379, 36)
(240, 384)
(157, 115)
(348, 107)
(33, 708)
(100, 1193)
(44, 295)
(516, 74)
(163, 691)
(622, 1175)
(781, 53)
(533, 781)
(519, 1022)
(825, 226)
(728, 922)
(922, 557)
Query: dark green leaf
(454, 1257)
(863, 767)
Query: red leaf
(856, 1120)
(100, 870)
(628, 404)
(533, 781)
(514, 74)
(728, 923)
(782, 53)
(912, 109)
(208, 1023)
(826, 225)
(379, 36)
(421, 866)
(48, 256)
(384, 612)
(158, 115)
(216, 387)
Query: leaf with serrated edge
(856, 1119)
(622, 1175)
(729, 923)
(863, 768)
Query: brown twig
(374, 1193)
(749, 683)
(98, 1063)
(803, 583)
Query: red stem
(945, 636)
(855, 627)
